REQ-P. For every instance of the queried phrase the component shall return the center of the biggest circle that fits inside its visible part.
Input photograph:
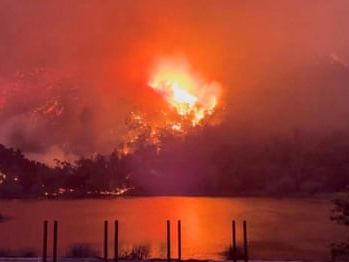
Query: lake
(277, 228)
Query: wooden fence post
(179, 228)
(245, 242)
(116, 240)
(234, 253)
(106, 240)
(168, 240)
(44, 246)
(55, 240)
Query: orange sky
(282, 64)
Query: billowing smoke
(71, 72)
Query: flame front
(191, 96)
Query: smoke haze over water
(71, 71)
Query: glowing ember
(177, 127)
(191, 96)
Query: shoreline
(325, 195)
(98, 259)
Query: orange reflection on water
(276, 226)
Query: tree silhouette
(340, 214)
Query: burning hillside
(190, 101)
(192, 97)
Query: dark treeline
(206, 163)
(21, 177)
(195, 164)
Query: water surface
(278, 228)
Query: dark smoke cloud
(71, 71)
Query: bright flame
(191, 96)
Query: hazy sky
(71, 71)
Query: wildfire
(192, 97)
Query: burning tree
(190, 102)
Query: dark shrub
(139, 252)
(228, 253)
(81, 250)
(340, 214)
(28, 252)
